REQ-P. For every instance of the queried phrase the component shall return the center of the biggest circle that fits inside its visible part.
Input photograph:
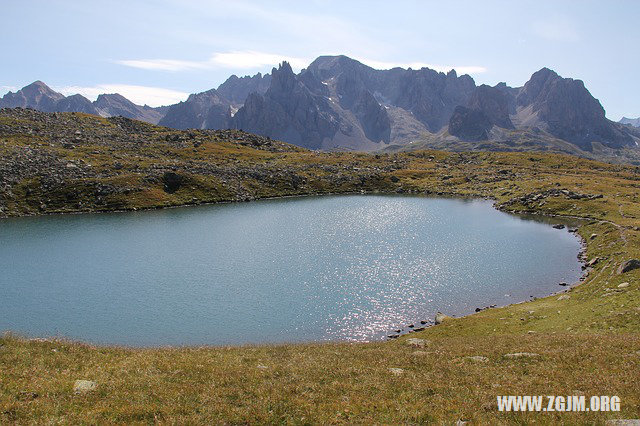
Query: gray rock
(84, 386)
(440, 318)
(396, 371)
(521, 355)
(623, 422)
(629, 265)
(623, 285)
(564, 297)
(477, 358)
(418, 343)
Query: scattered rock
(477, 358)
(392, 336)
(521, 355)
(593, 262)
(564, 297)
(172, 182)
(629, 265)
(418, 343)
(440, 318)
(563, 284)
(559, 226)
(623, 422)
(396, 371)
(623, 285)
(262, 367)
(27, 396)
(84, 386)
(593, 236)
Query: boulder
(84, 386)
(172, 182)
(440, 318)
(629, 265)
(418, 343)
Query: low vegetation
(584, 341)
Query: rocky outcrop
(206, 110)
(469, 124)
(493, 102)
(629, 265)
(487, 107)
(288, 111)
(566, 109)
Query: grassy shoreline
(586, 344)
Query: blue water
(316, 268)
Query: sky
(157, 52)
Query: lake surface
(348, 267)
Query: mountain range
(635, 122)
(338, 103)
(41, 97)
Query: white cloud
(556, 28)
(244, 59)
(250, 59)
(152, 96)
(5, 89)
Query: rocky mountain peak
(236, 89)
(535, 86)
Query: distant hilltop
(635, 122)
(338, 103)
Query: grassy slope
(588, 344)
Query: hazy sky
(157, 52)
